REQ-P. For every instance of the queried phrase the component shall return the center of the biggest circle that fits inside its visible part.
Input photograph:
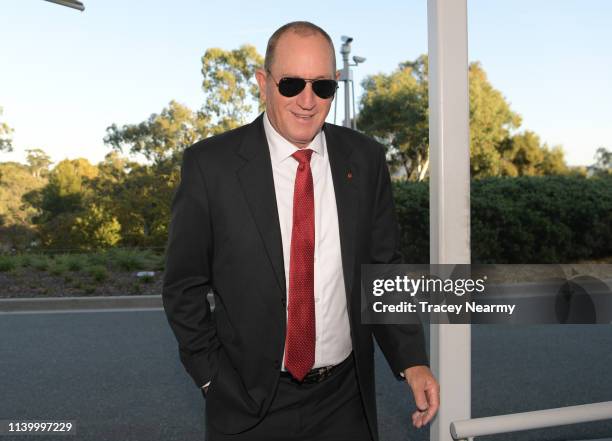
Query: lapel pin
(349, 175)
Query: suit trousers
(327, 411)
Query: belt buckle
(323, 373)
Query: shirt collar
(281, 149)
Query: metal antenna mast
(346, 76)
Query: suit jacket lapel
(344, 174)
(257, 183)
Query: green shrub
(25, 260)
(73, 262)
(7, 263)
(57, 269)
(40, 262)
(128, 260)
(146, 279)
(97, 259)
(529, 219)
(98, 272)
(412, 209)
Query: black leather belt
(318, 374)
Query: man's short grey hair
(303, 29)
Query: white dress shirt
(333, 335)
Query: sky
(65, 75)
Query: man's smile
(302, 116)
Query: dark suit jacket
(225, 236)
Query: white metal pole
(538, 419)
(449, 190)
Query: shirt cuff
(206, 385)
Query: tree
(38, 162)
(96, 228)
(16, 229)
(62, 201)
(393, 109)
(229, 85)
(229, 88)
(491, 121)
(162, 136)
(554, 161)
(6, 142)
(603, 163)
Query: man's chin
(303, 139)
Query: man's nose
(306, 98)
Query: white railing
(539, 419)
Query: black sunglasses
(288, 86)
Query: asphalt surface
(117, 374)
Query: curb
(81, 303)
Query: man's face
(297, 118)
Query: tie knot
(302, 156)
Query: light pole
(346, 76)
(74, 4)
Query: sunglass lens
(291, 86)
(324, 88)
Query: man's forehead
(295, 58)
(295, 74)
(300, 45)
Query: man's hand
(426, 391)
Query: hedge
(529, 219)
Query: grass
(86, 272)
(119, 259)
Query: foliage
(98, 272)
(523, 155)
(162, 136)
(6, 142)
(7, 264)
(394, 110)
(16, 229)
(97, 227)
(412, 208)
(603, 163)
(15, 180)
(38, 162)
(61, 201)
(529, 219)
(229, 85)
(491, 121)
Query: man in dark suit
(275, 218)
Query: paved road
(118, 375)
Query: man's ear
(260, 76)
(337, 75)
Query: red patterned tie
(300, 343)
